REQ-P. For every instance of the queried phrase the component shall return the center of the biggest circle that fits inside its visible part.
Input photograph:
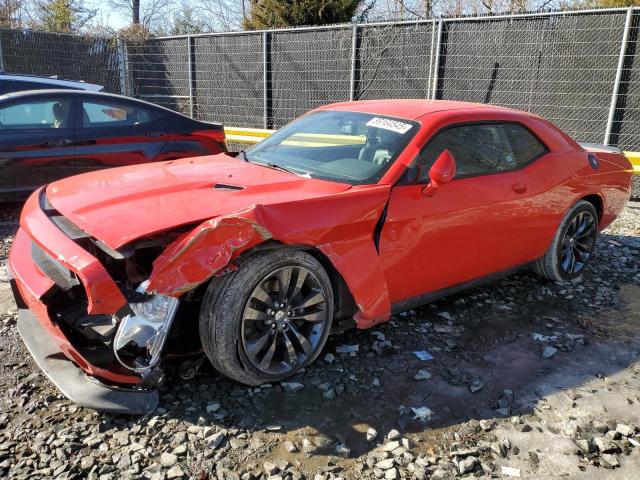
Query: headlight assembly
(140, 337)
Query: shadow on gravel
(512, 342)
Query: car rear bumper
(72, 381)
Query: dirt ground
(522, 377)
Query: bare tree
(147, 13)
(11, 13)
(220, 15)
(418, 9)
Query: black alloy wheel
(578, 242)
(283, 320)
(573, 244)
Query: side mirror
(442, 171)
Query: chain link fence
(560, 67)
(578, 69)
(92, 59)
(158, 71)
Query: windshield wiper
(243, 155)
(277, 167)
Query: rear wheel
(270, 318)
(573, 244)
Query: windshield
(348, 147)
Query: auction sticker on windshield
(387, 124)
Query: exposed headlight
(140, 337)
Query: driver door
(468, 229)
(36, 141)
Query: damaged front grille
(64, 278)
(70, 229)
(95, 336)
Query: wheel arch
(345, 305)
(597, 201)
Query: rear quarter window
(524, 145)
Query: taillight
(215, 135)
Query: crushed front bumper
(108, 389)
(72, 381)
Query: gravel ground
(521, 377)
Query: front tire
(269, 318)
(572, 245)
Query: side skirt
(438, 294)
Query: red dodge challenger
(345, 216)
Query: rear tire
(572, 245)
(269, 318)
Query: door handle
(519, 187)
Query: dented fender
(199, 255)
(340, 229)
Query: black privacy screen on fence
(92, 59)
(158, 72)
(626, 122)
(564, 66)
(228, 79)
(309, 68)
(560, 67)
(395, 61)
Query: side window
(113, 114)
(524, 145)
(36, 114)
(478, 149)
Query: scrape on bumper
(72, 381)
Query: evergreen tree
(291, 13)
(62, 16)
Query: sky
(107, 16)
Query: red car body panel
(175, 193)
(33, 285)
(102, 293)
(344, 235)
(473, 227)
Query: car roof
(45, 92)
(91, 87)
(410, 109)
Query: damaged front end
(82, 299)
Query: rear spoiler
(596, 147)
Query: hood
(119, 205)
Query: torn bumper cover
(59, 310)
(72, 382)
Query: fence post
(436, 66)
(430, 69)
(354, 59)
(122, 65)
(265, 79)
(616, 84)
(1, 56)
(190, 54)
